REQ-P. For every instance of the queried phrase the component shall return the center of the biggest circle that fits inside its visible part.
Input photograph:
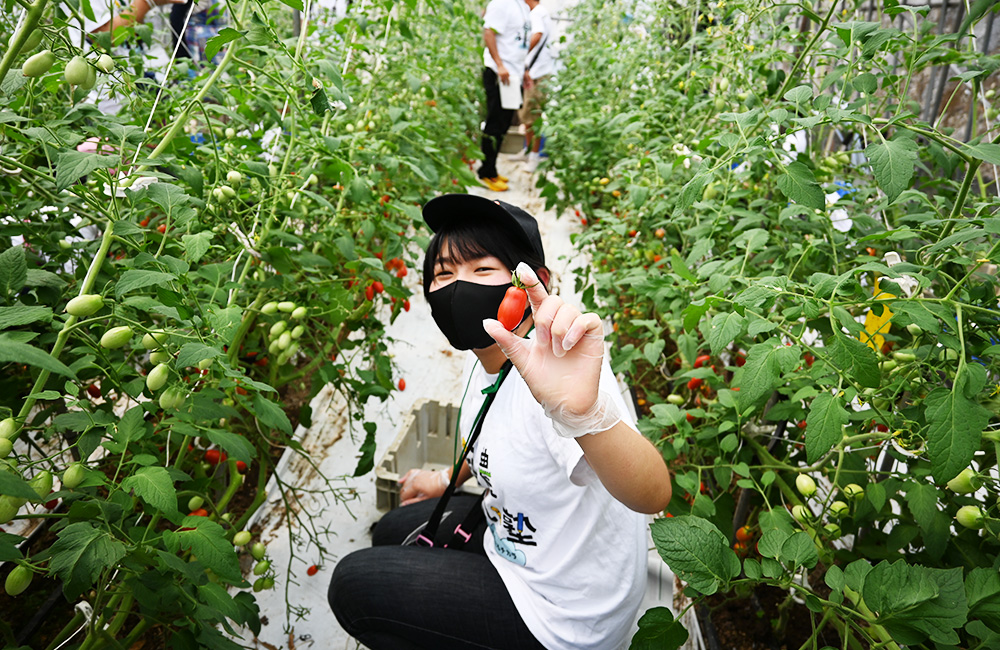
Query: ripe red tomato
(370, 293)
(702, 360)
(94, 390)
(695, 382)
(512, 307)
(402, 384)
(200, 512)
(214, 456)
(312, 570)
(406, 305)
(144, 222)
(241, 467)
(378, 286)
(162, 228)
(744, 534)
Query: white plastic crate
(426, 440)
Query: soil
(746, 623)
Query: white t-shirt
(572, 557)
(541, 22)
(511, 21)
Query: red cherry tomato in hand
(511, 310)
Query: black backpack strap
(538, 52)
(426, 538)
(462, 534)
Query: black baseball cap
(447, 209)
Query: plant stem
(85, 288)
(14, 47)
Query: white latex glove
(562, 365)
(419, 484)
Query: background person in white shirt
(540, 64)
(506, 26)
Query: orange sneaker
(503, 179)
(494, 184)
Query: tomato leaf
(12, 350)
(13, 270)
(982, 589)
(238, 447)
(893, 162)
(153, 485)
(270, 414)
(225, 35)
(954, 427)
(191, 353)
(799, 184)
(922, 500)
(133, 279)
(724, 330)
(696, 551)
(207, 540)
(80, 554)
(13, 485)
(762, 371)
(19, 315)
(856, 359)
(367, 460)
(72, 165)
(824, 425)
(659, 631)
(915, 603)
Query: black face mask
(459, 309)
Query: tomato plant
(149, 256)
(783, 230)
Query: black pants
(498, 121)
(407, 597)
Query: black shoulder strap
(426, 538)
(538, 52)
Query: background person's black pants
(406, 597)
(498, 121)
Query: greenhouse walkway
(432, 371)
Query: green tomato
(234, 178)
(299, 313)
(41, 483)
(154, 339)
(6, 446)
(262, 568)
(258, 550)
(105, 63)
(195, 502)
(710, 192)
(33, 41)
(8, 508)
(116, 337)
(172, 398)
(971, 517)
(832, 530)
(85, 305)
(38, 64)
(839, 509)
(801, 514)
(258, 585)
(284, 340)
(805, 485)
(966, 482)
(242, 538)
(159, 356)
(157, 377)
(91, 79)
(675, 399)
(76, 71)
(298, 331)
(8, 428)
(269, 308)
(286, 306)
(278, 328)
(853, 491)
(18, 580)
(904, 357)
(73, 476)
